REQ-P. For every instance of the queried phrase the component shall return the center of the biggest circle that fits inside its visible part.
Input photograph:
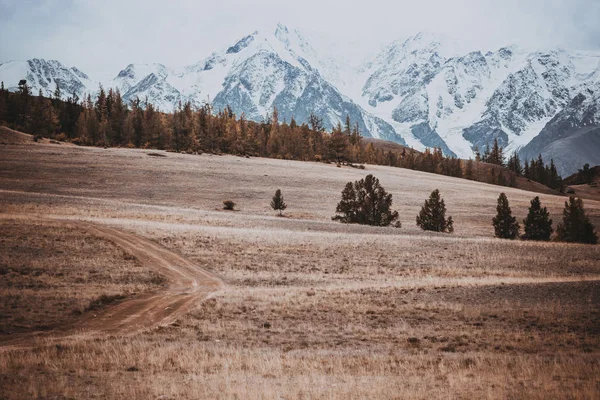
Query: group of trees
(535, 170)
(108, 120)
(575, 227)
(366, 202)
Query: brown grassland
(309, 308)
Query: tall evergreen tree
(432, 216)
(277, 202)
(496, 155)
(505, 225)
(514, 163)
(576, 226)
(537, 225)
(365, 202)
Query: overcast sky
(102, 36)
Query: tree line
(108, 121)
(535, 170)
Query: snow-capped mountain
(45, 75)
(424, 91)
(572, 137)
(434, 96)
(259, 72)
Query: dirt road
(187, 284)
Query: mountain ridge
(423, 91)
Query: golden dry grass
(52, 272)
(313, 308)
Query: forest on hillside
(108, 121)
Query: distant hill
(585, 184)
(482, 170)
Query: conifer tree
(505, 225)
(514, 163)
(538, 225)
(277, 202)
(496, 155)
(46, 122)
(576, 226)
(365, 202)
(469, 170)
(433, 215)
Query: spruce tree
(496, 155)
(433, 215)
(538, 225)
(505, 225)
(576, 226)
(277, 202)
(365, 202)
(514, 163)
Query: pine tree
(365, 202)
(538, 225)
(514, 163)
(277, 202)
(576, 226)
(45, 121)
(505, 225)
(57, 93)
(496, 155)
(477, 155)
(433, 215)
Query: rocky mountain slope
(424, 91)
(572, 137)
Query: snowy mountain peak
(45, 75)
(425, 90)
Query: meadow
(308, 308)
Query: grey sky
(102, 37)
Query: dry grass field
(310, 308)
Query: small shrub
(228, 205)
(103, 300)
